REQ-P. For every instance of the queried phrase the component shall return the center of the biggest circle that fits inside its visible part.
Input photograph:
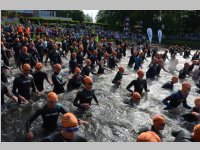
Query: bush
(192, 44)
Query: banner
(150, 34)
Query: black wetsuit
(139, 85)
(3, 74)
(100, 54)
(118, 77)
(144, 129)
(40, 49)
(124, 49)
(119, 53)
(86, 71)
(4, 57)
(85, 96)
(27, 59)
(151, 73)
(182, 73)
(72, 65)
(109, 49)
(190, 117)
(17, 50)
(131, 61)
(58, 83)
(75, 82)
(196, 56)
(112, 62)
(191, 68)
(93, 59)
(23, 84)
(57, 137)
(164, 57)
(4, 90)
(34, 53)
(80, 59)
(49, 116)
(159, 67)
(55, 57)
(92, 46)
(182, 136)
(175, 100)
(168, 85)
(101, 69)
(39, 77)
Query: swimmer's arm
(82, 72)
(125, 73)
(129, 86)
(15, 86)
(164, 69)
(75, 103)
(33, 86)
(62, 110)
(186, 105)
(12, 96)
(145, 87)
(95, 98)
(93, 73)
(165, 101)
(131, 102)
(57, 81)
(47, 79)
(29, 122)
(60, 60)
(107, 69)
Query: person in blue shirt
(175, 99)
(138, 61)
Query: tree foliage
(88, 18)
(74, 14)
(174, 21)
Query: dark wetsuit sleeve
(145, 86)
(62, 110)
(15, 86)
(33, 85)
(69, 85)
(60, 60)
(5, 89)
(131, 102)
(93, 72)
(165, 101)
(57, 82)
(33, 117)
(130, 85)
(143, 129)
(83, 72)
(95, 98)
(45, 76)
(186, 105)
(76, 100)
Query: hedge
(193, 44)
(43, 20)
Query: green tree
(74, 14)
(88, 18)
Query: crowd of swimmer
(85, 55)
